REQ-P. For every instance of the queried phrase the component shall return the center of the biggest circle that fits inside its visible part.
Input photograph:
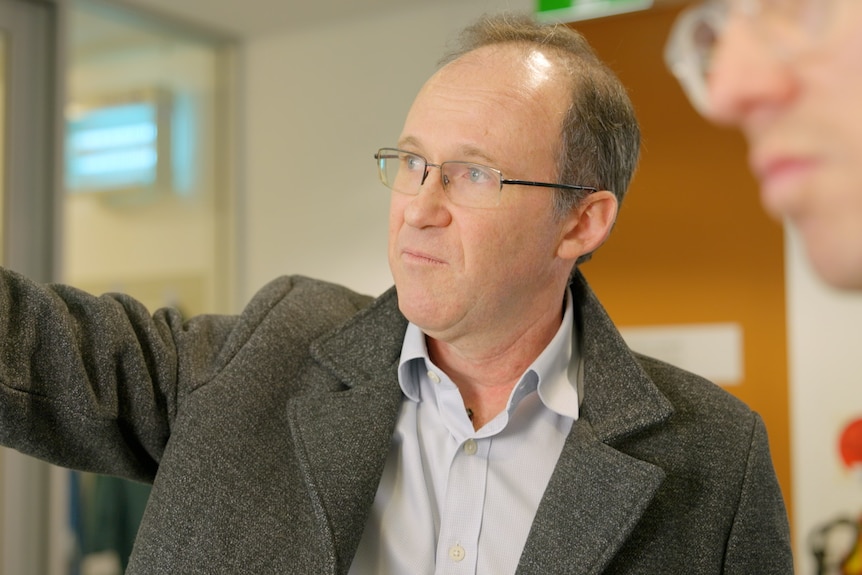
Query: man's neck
(486, 374)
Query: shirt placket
(463, 508)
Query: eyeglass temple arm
(548, 185)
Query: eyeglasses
(466, 184)
(788, 27)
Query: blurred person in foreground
(483, 416)
(788, 73)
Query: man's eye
(477, 175)
(413, 163)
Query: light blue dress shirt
(453, 500)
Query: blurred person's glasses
(788, 27)
(466, 184)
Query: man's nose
(429, 207)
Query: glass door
(29, 102)
(146, 202)
(62, 63)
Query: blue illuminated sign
(116, 147)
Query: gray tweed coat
(265, 435)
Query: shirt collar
(559, 368)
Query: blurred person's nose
(748, 78)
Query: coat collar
(620, 399)
(596, 494)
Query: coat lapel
(591, 505)
(343, 437)
(597, 493)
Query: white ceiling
(245, 18)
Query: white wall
(825, 355)
(317, 105)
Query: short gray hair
(600, 136)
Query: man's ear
(588, 225)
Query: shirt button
(470, 447)
(457, 553)
(433, 376)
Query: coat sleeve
(760, 536)
(93, 383)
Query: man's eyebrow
(409, 141)
(465, 152)
(474, 153)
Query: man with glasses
(484, 416)
(789, 74)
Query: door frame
(33, 528)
